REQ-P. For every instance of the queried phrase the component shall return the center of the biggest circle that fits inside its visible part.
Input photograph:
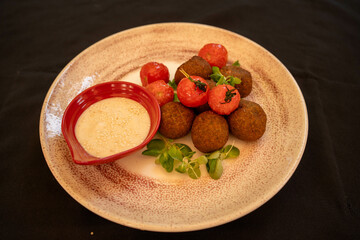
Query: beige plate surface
(136, 192)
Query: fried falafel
(195, 66)
(245, 86)
(209, 131)
(248, 122)
(176, 120)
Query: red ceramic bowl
(99, 92)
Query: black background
(318, 41)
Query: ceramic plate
(136, 192)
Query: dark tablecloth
(318, 41)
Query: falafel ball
(245, 86)
(248, 122)
(209, 132)
(202, 108)
(195, 66)
(211, 83)
(176, 120)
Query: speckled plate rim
(204, 225)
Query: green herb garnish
(172, 84)
(198, 84)
(214, 164)
(229, 95)
(176, 99)
(220, 79)
(175, 155)
(236, 63)
(179, 156)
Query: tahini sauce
(111, 126)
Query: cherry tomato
(215, 54)
(162, 92)
(152, 72)
(190, 93)
(224, 99)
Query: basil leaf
(236, 63)
(151, 152)
(156, 144)
(166, 162)
(175, 153)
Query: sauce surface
(111, 126)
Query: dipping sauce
(111, 126)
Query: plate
(136, 192)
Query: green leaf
(214, 155)
(152, 152)
(216, 70)
(222, 156)
(201, 160)
(166, 152)
(172, 84)
(222, 81)
(156, 144)
(215, 168)
(234, 80)
(194, 164)
(226, 148)
(175, 153)
(231, 151)
(176, 99)
(166, 162)
(194, 172)
(216, 74)
(185, 150)
(190, 154)
(236, 63)
(210, 166)
(181, 168)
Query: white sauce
(111, 126)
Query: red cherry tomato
(191, 95)
(152, 72)
(162, 92)
(224, 99)
(215, 54)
